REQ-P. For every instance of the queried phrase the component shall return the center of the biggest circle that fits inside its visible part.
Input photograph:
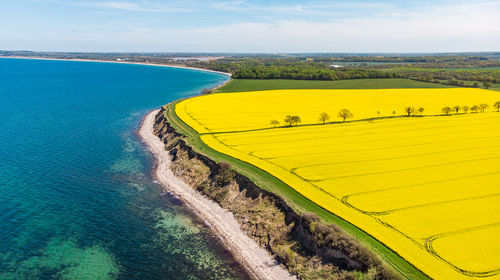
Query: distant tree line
(309, 73)
(450, 77)
(475, 108)
(411, 111)
(432, 61)
(426, 69)
(433, 69)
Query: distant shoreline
(120, 62)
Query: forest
(467, 71)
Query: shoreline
(256, 260)
(120, 62)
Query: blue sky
(250, 26)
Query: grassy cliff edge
(298, 205)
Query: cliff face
(306, 246)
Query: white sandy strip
(255, 259)
(114, 61)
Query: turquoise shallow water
(77, 200)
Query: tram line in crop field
(426, 186)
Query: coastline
(121, 62)
(256, 260)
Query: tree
(465, 109)
(378, 113)
(291, 120)
(324, 117)
(487, 84)
(476, 85)
(474, 108)
(288, 120)
(446, 110)
(394, 112)
(345, 114)
(296, 120)
(275, 123)
(421, 110)
(497, 106)
(483, 107)
(410, 111)
(456, 109)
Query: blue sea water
(77, 200)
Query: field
(472, 68)
(493, 86)
(424, 186)
(251, 85)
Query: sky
(269, 26)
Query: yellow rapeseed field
(427, 187)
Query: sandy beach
(122, 62)
(259, 263)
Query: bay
(77, 199)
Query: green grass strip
(254, 85)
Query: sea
(77, 196)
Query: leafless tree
(483, 107)
(456, 109)
(474, 108)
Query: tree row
(344, 114)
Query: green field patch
(254, 85)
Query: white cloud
(312, 8)
(450, 27)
